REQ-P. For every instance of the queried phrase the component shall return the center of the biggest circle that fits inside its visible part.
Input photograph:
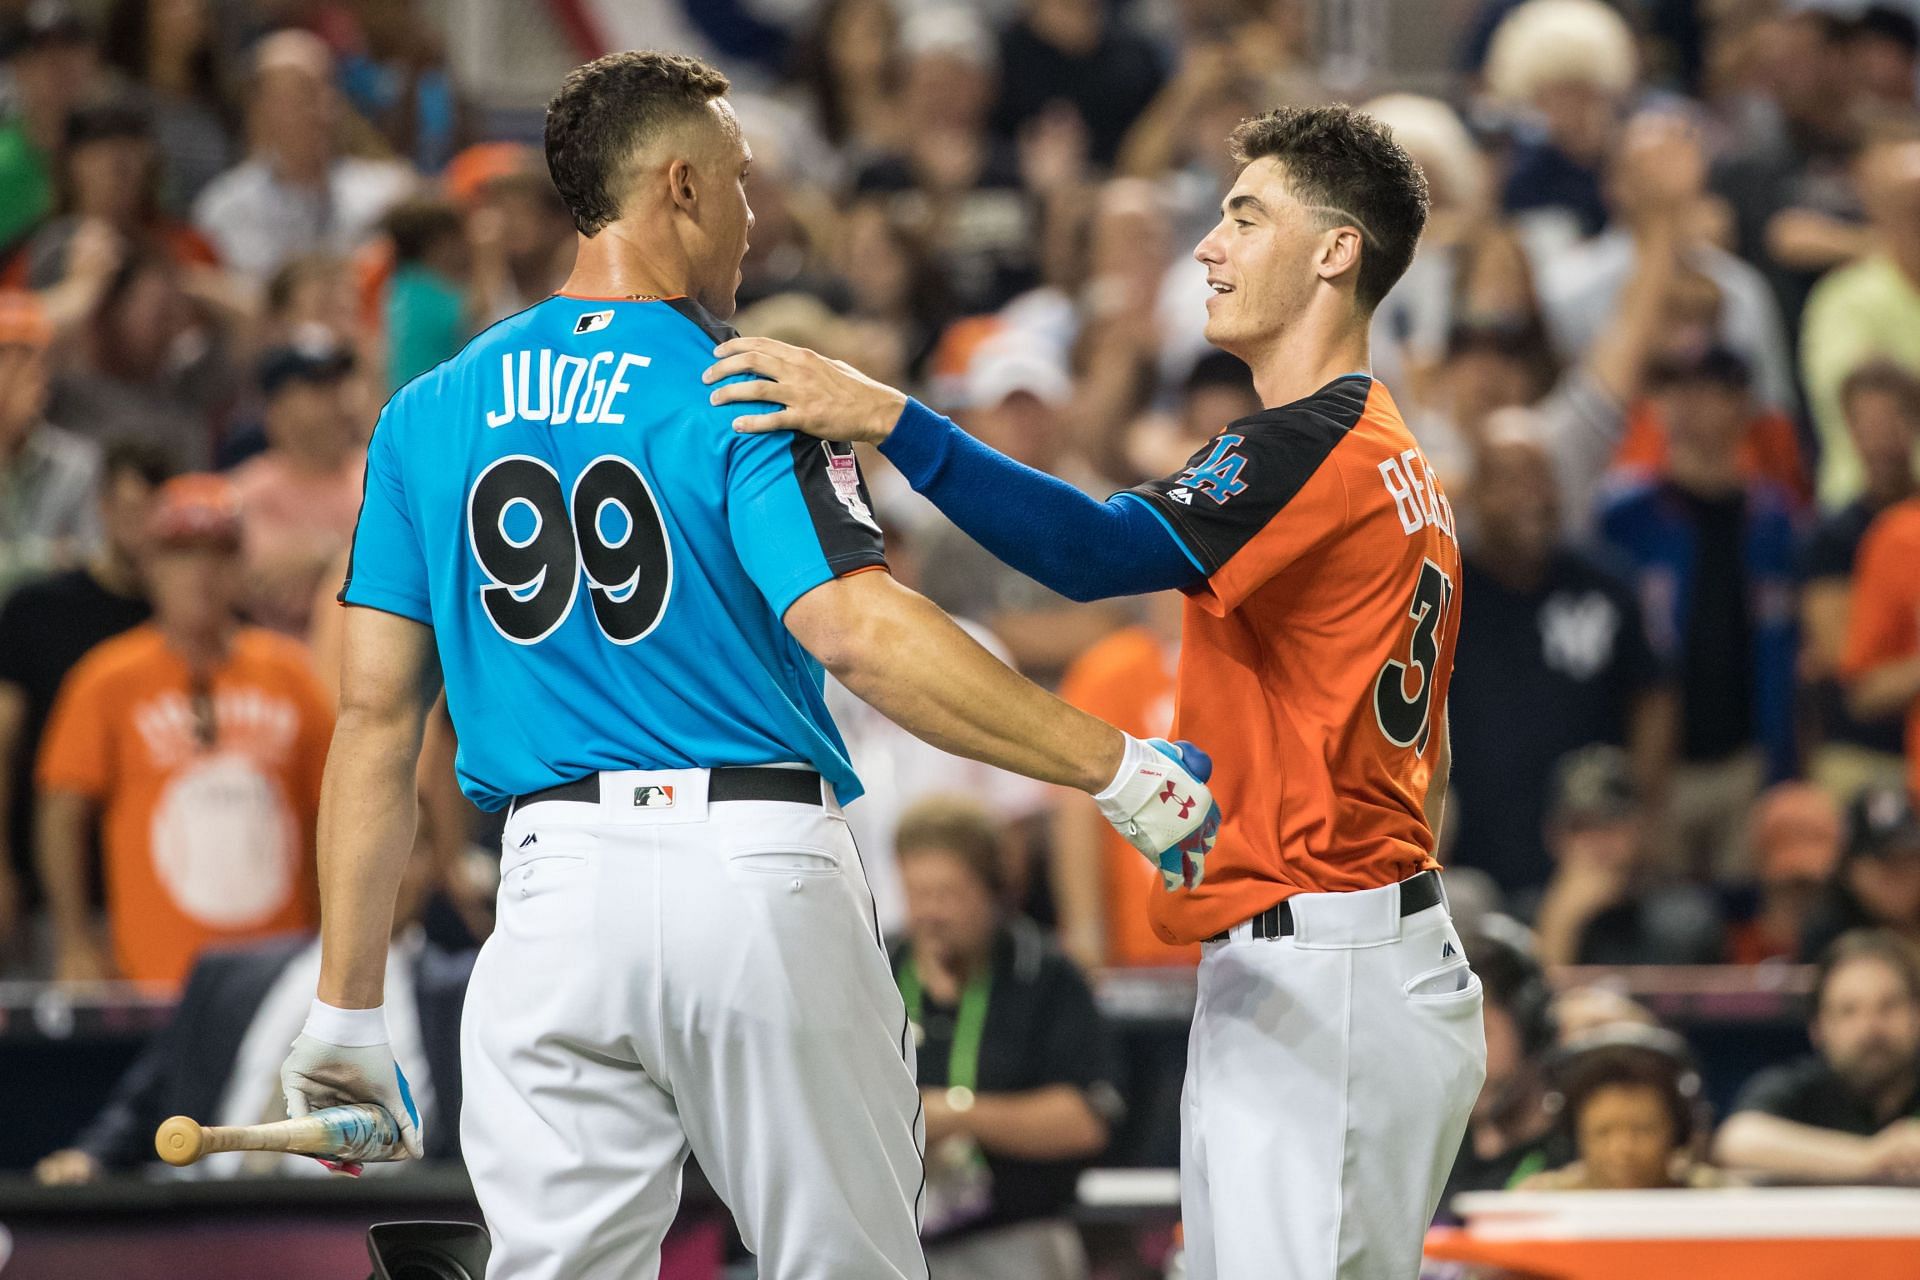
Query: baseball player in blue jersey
(632, 604)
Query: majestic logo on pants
(653, 797)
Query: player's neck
(1306, 357)
(625, 261)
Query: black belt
(1417, 893)
(791, 786)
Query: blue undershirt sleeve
(1081, 547)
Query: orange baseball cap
(470, 172)
(23, 321)
(1796, 833)
(199, 508)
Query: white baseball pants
(1329, 1078)
(685, 977)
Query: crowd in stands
(1661, 344)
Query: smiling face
(1263, 260)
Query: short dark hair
(1882, 945)
(1631, 1066)
(416, 226)
(1348, 161)
(607, 108)
(956, 826)
(1883, 377)
(143, 458)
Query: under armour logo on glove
(1159, 801)
(1186, 804)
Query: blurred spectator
(146, 364)
(1869, 308)
(48, 477)
(394, 74)
(1585, 1011)
(1796, 845)
(1017, 400)
(1882, 404)
(1713, 556)
(1015, 1064)
(49, 59)
(314, 291)
(1881, 662)
(1176, 142)
(171, 53)
(1567, 67)
(1786, 180)
(295, 193)
(900, 770)
(950, 181)
(45, 628)
(428, 312)
(218, 1055)
(1883, 57)
(1073, 53)
(109, 180)
(1101, 883)
(1603, 904)
(849, 67)
(1877, 885)
(1217, 391)
(1851, 1113)
(1630, 1107)
(1511, 1133)
(891, 282)
(522, 238)
(1553, 626)
(299, 499)
(198, 744)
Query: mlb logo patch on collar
(592, 322)
(653, 797)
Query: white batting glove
(1158, 800)
(343, 1056)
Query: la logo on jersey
(1218, 476)
(592, 322)
(653, 797)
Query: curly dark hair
(1346, 161)
(608, 108)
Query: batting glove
(1160, 803)
(343, 1056)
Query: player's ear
(1339, 253)
(681, 185)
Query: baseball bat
(361, 1131)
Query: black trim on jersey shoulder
(1231, 489)
(708, 323)
(838, 504)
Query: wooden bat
(357, 1132)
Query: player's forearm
(367, 817)
(1768, 1144)
(913, 664)
(1063, 539)
(1051, 1123)
(1886, 690)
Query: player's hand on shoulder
(1159, 802)
(319, 1073)
(826, 398)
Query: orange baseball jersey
(208, 795)
(1127, 680)
(1316, 656)
(1883, 620)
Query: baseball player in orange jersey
(1336, 1045)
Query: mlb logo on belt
(653, 797)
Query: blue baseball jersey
(604, 561)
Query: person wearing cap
(1849, 1112)
(48, 476)
(46, 627)
(1713, 555)
(1599, 907)
(49, 58)
(1877, 884)
(1553, 626)
(197, 744)
(299, 498)
(1796, 844)
(296, 193)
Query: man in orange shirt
(1337, 1045)
(199, 743)
(1881, 663)
(1101, 887)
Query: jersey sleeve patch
(838, 504)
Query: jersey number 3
(1406, 718)
(533, 541)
